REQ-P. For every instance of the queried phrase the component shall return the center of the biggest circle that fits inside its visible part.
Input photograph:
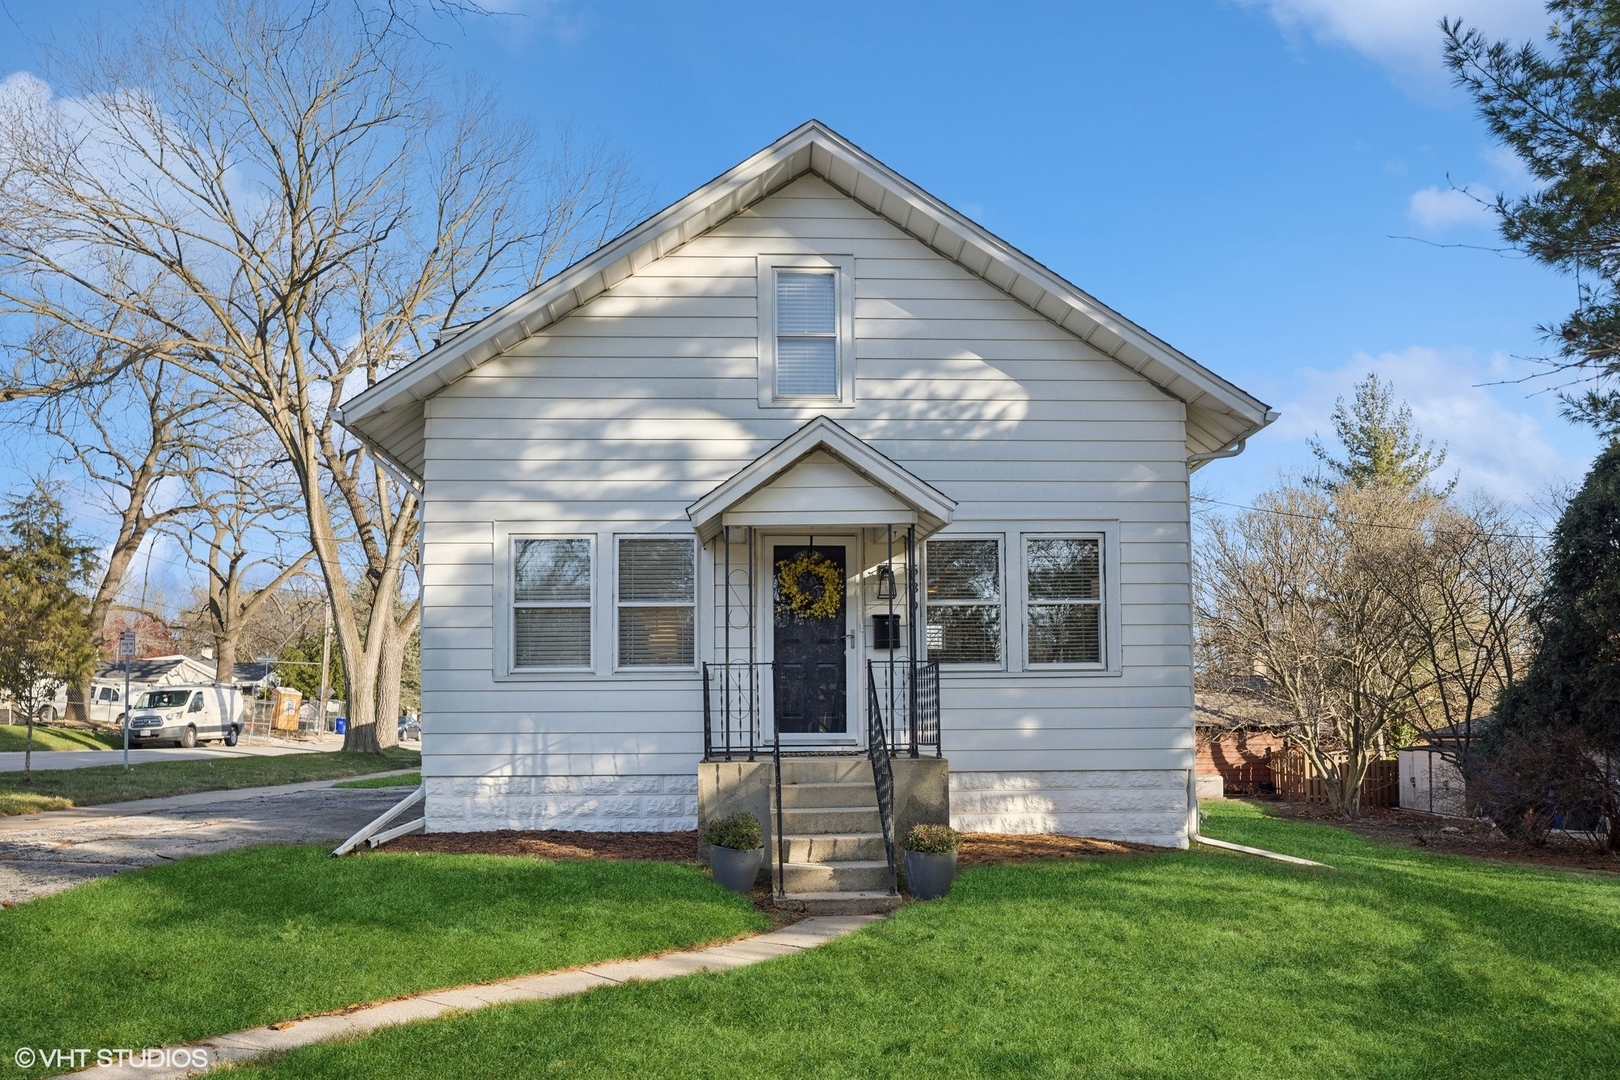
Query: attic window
(806, 334)
(806, 331)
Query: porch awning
(822, 476)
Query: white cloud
(1439, 208)
(1403, 35)
(1494, 439)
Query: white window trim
(507, 600)
(1001, 571)
(1110, 662)
(695, 604)
(844, 275)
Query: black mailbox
(886, 632)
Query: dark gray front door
(810, 622)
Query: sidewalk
(175, 1062)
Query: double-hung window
(806, 321)
(806, 333)
(657, 602)
(551, 603)
(1064, 593)
(964, 601)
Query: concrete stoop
(835, 859)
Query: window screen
(551, 592)
(806, 334)
(657, 603)
(1064, 579)
(964, 601)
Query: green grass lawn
(224, 942)
(57, 789)
(410, 779)
(14, 737)
(1200, 964)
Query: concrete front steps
(835, 858)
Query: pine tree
(1573, 682)
(1382, 447)
(1555, 107)
(46, 618)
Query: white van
(106, 704)
(186, 715)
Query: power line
(1382, 525)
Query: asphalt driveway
(45, 853)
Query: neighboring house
(670, 498)
(1239, 729)
(256, 677)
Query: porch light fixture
(885, 583)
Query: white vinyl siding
(551, 603)
(657, 602)
(1063, 590)
(964, 605)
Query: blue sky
(1234, 175)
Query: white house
(670, 498)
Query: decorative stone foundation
(583, 803)
(1148, 806)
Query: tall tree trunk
(225, 656)
(388, 685)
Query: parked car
(186, 715)
(106, 704)
(410, 728)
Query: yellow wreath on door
(790, 574)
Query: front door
(810, 624)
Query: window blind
(964, 601)
(1064, 585)
(806, 334)
(657, 603)
(551, 591)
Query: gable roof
(389, 417)
(932, 509)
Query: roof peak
(388, 416)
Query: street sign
(126, 645)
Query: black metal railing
(877, 751)
(908, 707)
(732, 725)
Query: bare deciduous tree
(124, 420)
(1463, 582)
(285, 198)
(1290, 591)
(245, 507)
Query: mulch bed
(1452, 836)
(558, 844)
(978, 849)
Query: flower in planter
(740, 832)
(932, 839)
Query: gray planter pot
(929, 876)
(736, 870)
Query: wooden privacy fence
(1296, 779)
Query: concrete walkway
(181, 1061)
(12, 760)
